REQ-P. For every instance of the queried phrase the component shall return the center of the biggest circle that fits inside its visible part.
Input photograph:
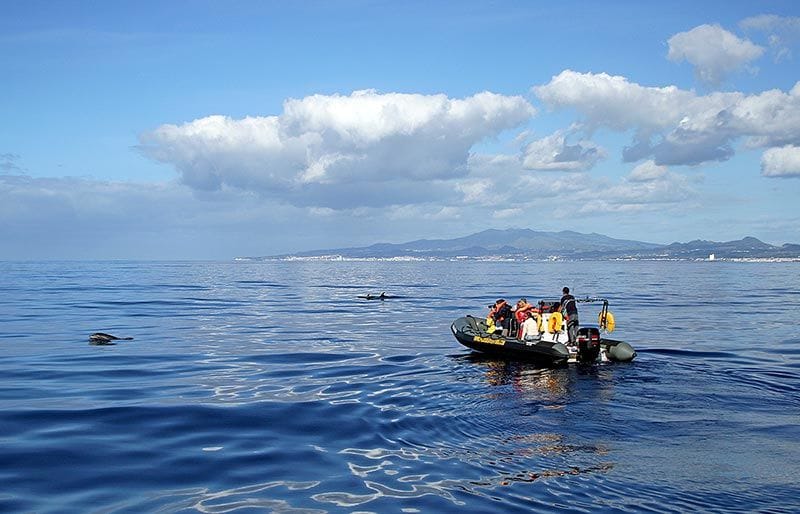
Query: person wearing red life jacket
(521, 311)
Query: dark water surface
(270, 387)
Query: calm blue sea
(270, 387)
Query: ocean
(271, 387)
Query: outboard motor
(588, 344)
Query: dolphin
(103, 338)
(370, 296)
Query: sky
(211, 130)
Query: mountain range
(567, 245)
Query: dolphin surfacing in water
(103, 338)
(370, 296)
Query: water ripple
(273, 387)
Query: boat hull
(471, 332)
(468, 332)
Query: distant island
(527, 244)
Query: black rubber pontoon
(472, 333)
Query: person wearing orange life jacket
(569, 308)
(521, 311)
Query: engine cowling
(588, 340)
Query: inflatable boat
(551, 345)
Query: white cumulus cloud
(334, 151)
(555, 153)
(614, 101)
(713, 51)
(781, 162)
(674, 126)
(647, 172)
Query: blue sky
(209, 130)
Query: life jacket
(521, 312)
(501, 311)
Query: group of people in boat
(521, 320)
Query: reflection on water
(256, 496)
(548, 385)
